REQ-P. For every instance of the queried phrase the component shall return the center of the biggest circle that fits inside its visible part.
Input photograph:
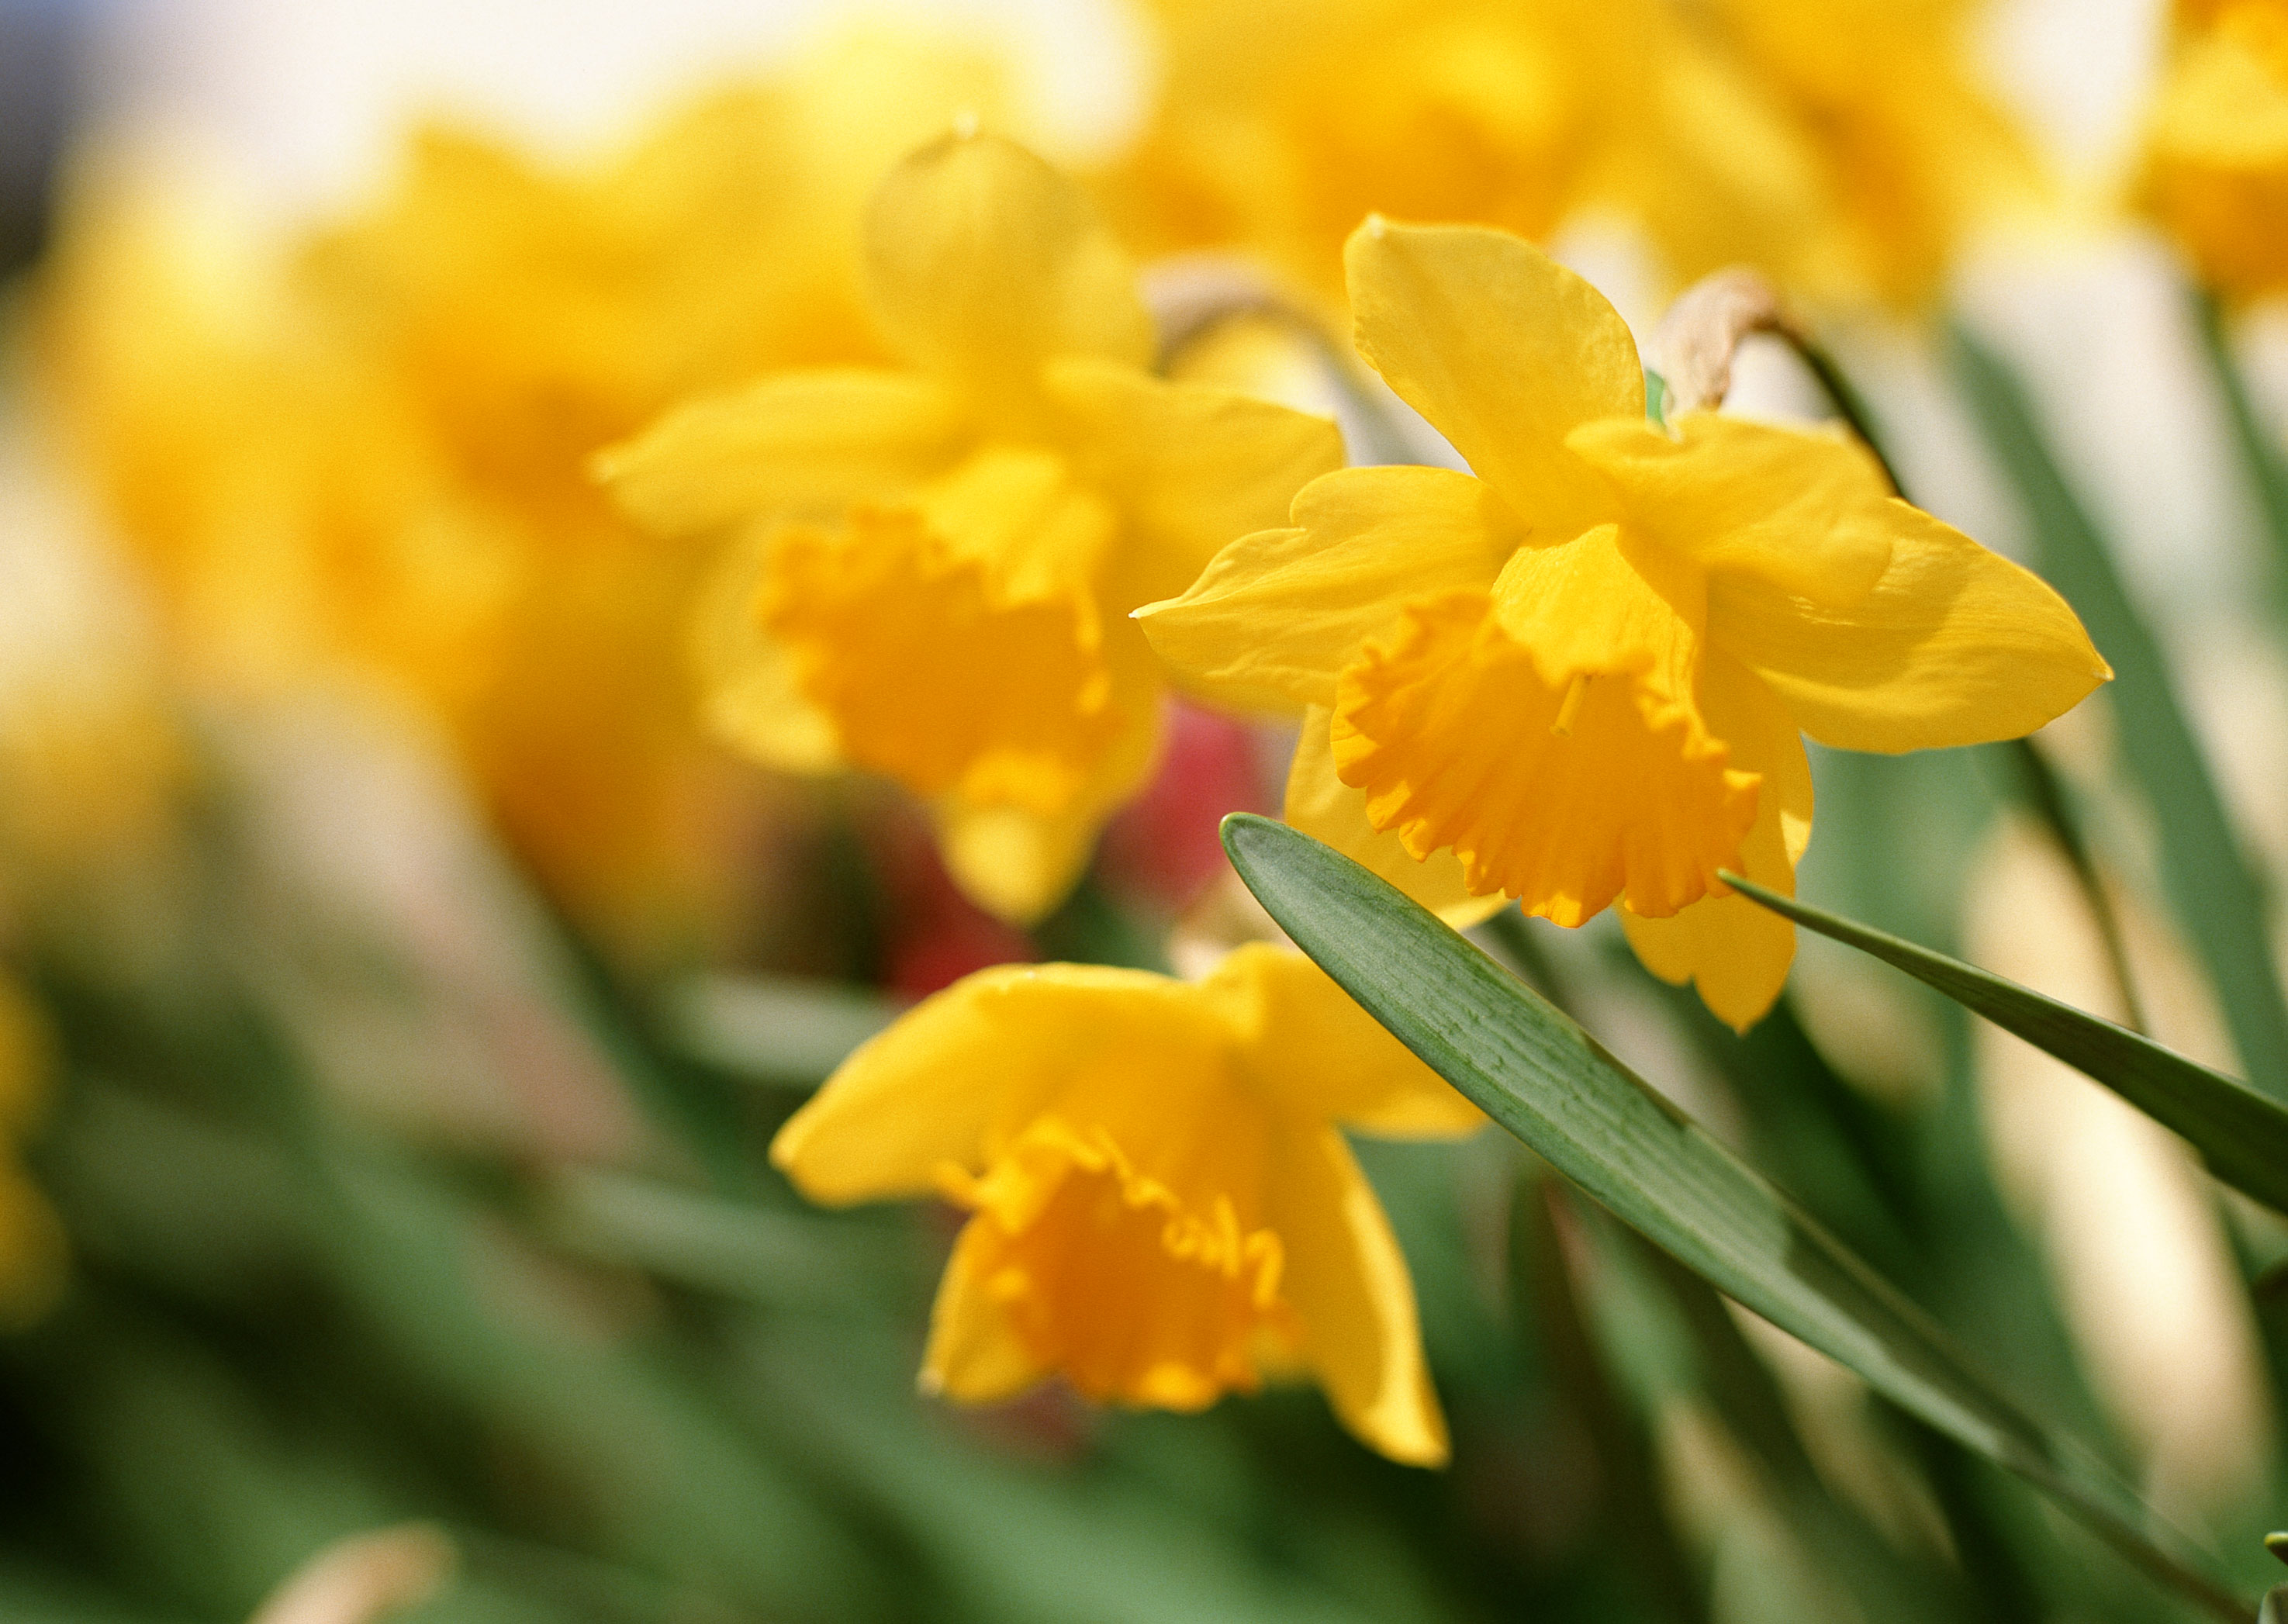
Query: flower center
(1101, 1273)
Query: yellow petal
(1331, 811)
(1955, 646)
(958, 1076)
(983, 263)
(956, 642)
(1133, 1288)
(976, 1352)
(2218, 153)
(1737, 952)
(1278, 615)
(1307, 1046)
(1191, 468)
(1505, 350)
(751, 688)
(1018, 863)
(1348, 1283)
(801, 442)
(1808, 511)
(1566, 770)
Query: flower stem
(2038, 785)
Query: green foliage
(2211, 882)
(2243, 1134)
(1545, 1081)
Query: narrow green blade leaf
(2213, 886)
(778, 1029)
(2242, 1134)
(1552, 1085)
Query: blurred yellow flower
(2216, 172)
(1281, 124)
(951, 611)
(1164, 1208)
(1583, 671)
(1842, 149)
(382, 468)
(1911, 149)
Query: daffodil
(1278, 124)
(1845, 149)
(380, 477)
(1580, 673)
(1909, 149)
(2216, 167)
(946, 553)
(1162, 1207)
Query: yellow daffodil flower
(945, 600)
(381, 471)
(1911, 150)
(1280, 124)
(1163, 1208)
(1844, 149)
(1578, 675)
(2217, 147)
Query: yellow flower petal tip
(1582, 671)
(1163, 1209)
(954, 549)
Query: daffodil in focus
(945, 555)
(1163, 1208)
(2216, 171)
(1580, 675)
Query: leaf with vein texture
(1555, 1088)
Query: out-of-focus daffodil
(1583, 671)
(1846, 151)
(2217, 147)
(1281, 124)
(951, 611)
(382, 468)
(1909, 149)
(1162, 1207)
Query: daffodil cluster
(858, 397)
(1848, 148)
(363, 459)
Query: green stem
(2038, 788)
(2211, 882)
(1668, 1581)
(2260, 454)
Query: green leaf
(2210, 880)
(1552, 1085)
(2268, 475)
(777, 1029)
(2242, 1134)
